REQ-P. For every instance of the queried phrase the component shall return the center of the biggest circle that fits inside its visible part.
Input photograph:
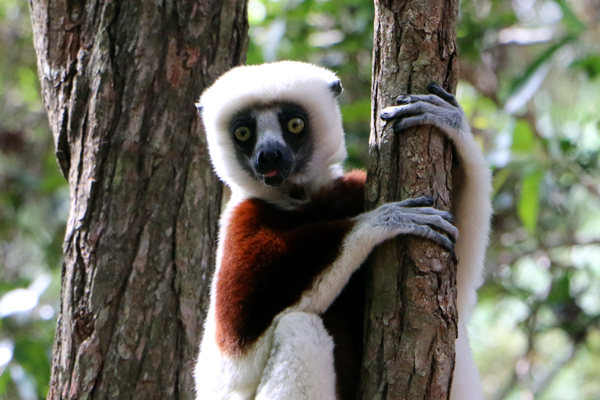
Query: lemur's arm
(273, 261)
(472, 188)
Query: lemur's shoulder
(344, 198)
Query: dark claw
(424, 201)
(385, 115)
(404, 99)
(439, 91)
(446, 243)
(452, 239)
(449, 217)
(430, 234)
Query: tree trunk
(411, 318)
(120, 79)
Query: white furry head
(259, 85)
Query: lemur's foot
(439, 108)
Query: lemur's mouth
(274, 178)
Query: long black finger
(432, 211)
(404, 111)
(424, 201)
(426, 98)
(439, 91)
(428, 233)
(436, 221)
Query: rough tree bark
(411, 318)
(119, 79)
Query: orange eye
(295, 125)
(243, 133)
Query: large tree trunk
(119, 79)
(411, 319)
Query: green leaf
(519, 82)
(500, 177)
(32, 357)
(358, 111)
(523, 138)
(529, 202)
(589, 64)
(572, 23)
(4, 382)
(560, 290)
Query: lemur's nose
(270, 157)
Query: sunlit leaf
(520, 81)
(529, 200)
(570, 20)
(523, 138)
(357, 111)
(31, 355)
(500, 177)
(589, 64)
(4, 382)
(560, 290)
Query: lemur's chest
(270, 257)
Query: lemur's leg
(300, 366)
(472, 210)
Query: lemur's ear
(336, 87)
(199, 108)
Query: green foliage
(520, 81)
(590, 64)
(570, 19)
(523, 139)
(31, 354)
(529, 202)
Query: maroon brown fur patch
(345, 199)
(271, 256)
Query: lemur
(285, 320)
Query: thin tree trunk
(411, 318)
(119, 79)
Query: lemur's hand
(412, 217)
(439, 108)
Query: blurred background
(530, 85)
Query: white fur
(300, 366)
(293, 358)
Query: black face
(272, 142)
